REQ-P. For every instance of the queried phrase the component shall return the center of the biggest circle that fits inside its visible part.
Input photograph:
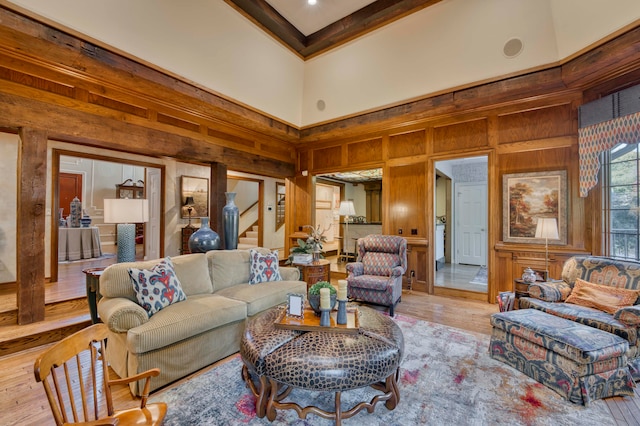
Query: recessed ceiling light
(311, 2)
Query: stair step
(256, 228)
(61, 319)
(251, 234)
(245, 240)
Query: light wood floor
(22, 400)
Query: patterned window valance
(597, 138)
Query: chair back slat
(73, 381)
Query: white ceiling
(310, 18)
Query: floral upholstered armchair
(376, 277)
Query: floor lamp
(547, 228)
(126, 212)
(347, 210)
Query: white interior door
(152, 231)
(471, 223)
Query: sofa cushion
(603, 297)
(259, 297)
(191, 269)
(378, 263)
(158, 287)
(550, 291)
(629, 315)
(584, 315)
(183, 320)
(264, 267)
(230, 267)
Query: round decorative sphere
(204, 239)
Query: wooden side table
(313, 272)
(186, 233)
(521, 290)
(93, 291)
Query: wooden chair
(76, 380)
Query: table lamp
(189, 205)
(347, 209)
(126, 212)
(546, 228)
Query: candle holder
(342, 312)
(325, 318)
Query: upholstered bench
(579, 362)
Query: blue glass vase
(231, 222)
(204, 239)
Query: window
(621, 208)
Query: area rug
(481, 276)
(446, 378)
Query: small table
(93, 291)
(521, 290)
(320, 270)
(78, 243)
(279, 359)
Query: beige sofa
(186, 336)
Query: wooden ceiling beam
(369, 18)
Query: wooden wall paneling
(84, 59)
(325, 158)
(406, 202)
(460, 136)
(299, 202)
(407, 144)
(364, 152)
(32, 170)
(217, 199)
(536, 124)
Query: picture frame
(198, 188)
(529, 196)
(295, 305)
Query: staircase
(249, 239)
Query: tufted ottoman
(579, 362)
(277, 360)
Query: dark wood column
(217, 199)
(32, 173)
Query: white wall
(8, 215)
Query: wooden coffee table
(278, 359)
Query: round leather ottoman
(276, 360)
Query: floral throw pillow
(264, 267)
(158, 287)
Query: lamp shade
(189, 201)
(547, 227)
(347, 208)
(126, 210)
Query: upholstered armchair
(376, 276)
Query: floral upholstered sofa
(612, 305)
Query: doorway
(460, 206)
(94, 178)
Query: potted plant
(312, 245)
(314, 295)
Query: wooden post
(32, 174)
(217, 199)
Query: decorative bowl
(314, 302)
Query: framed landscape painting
(198, 188)
(526, 197)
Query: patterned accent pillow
(264, 267)
(603, 297)
(629, 315)
(158, 287)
